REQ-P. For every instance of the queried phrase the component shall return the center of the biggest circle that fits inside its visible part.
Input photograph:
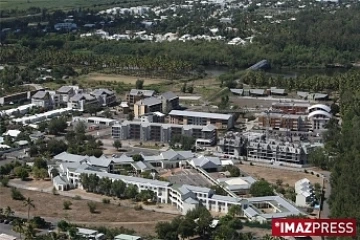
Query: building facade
(220, 121)
(147, 105)
(157, 132)
(137, 94)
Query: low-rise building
(137, 94)
(158, 132)
(104, 96)
(99, 121)
(304, 193)
(147, 105)
(291, 107)
(237, 185)
(170, 101)
(208, 163)
(276, 120)
(66, 92)
(220, 121)
(232, 143)
(127, 237)
(82, 101)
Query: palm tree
(8, 212)
(18, 226)
(30, 232)
(29, 204)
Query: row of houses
(73, 97)
(183, 197)
(273, 91)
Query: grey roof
(197, 189)
(65, 89)
(100, 162)
(39, 95)
(60, 181)
(163, 125)
(302, 94)
(146, 93)
(280, 115)
(68, 157)
(237, 91)
(101, 91)
(143, 166)
(257, 91)
(207, 162)
(169, 96)
(143, 181)
(277, 91)
(225, 198)
(149, 101)
(200, 114)
(191, 200)
(209, 128)
(82, 96)
(126, 237)
(320, 95)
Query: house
(82, 101)
(42, 99)
(90, 234)
(66, 92)
(137, 94)
(304, 193)
(208, 163)
(220, 121)
(147, 105)
(60, 183)
(104, 96)
(238, 185)
(127, 237)
(12, 133)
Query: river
(286, 73)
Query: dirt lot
(48, 205)
(272, 174)
(120, 78)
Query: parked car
(6, 221)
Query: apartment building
(220, 121)
(291, 107)
(157, 132)
(82, 101)
(66, 92)
(232, 143)
(137, 94)
(104, 96)
(147, 105)
(17, 97)
(319, 115)
(276, 120)
(42, 99)
(170, 101)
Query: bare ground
(273, 174)
(48, 205)
(121, 78)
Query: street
(325, 212)
(7, 229)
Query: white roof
(4, 236)
(322, 106)
(201, 114)
(12, 133)
(319, 112)
(85, 231)
(100, 119)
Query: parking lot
(190, 177)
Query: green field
(52, 4)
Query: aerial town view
(178, 119)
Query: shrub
(138, 207)
(54, 191)
(92, 207)
(306, 171)
(251, 164)
(317, 175)
(106, 200)
(312, 173)
(77, 197)
(67, 205)
(5, 181)
(17, 195)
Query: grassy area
(120, 78)
(51, 4)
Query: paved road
(325, 212)
(7, 229)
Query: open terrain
(48, 205)
(50, 4)
(121, 78)
(273, 174)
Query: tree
(146, 195)
(117, 144)
(21, 172)
(183, 88)
(167, 230)
(2, 126)
(92, 207)
(130, 116)
(30, 232)
(118, 188)
(105, 186)
(261, 188)
(137, 157)
(55, 146)
(17, 195)
(319, 159)
(235, 210)
(219, 190)
(190, 89)
(186, 228)
(57, 125)
(18, 226)
(131, 191)
(8, 212)
(29, 203)
(139, 84)
(233, 170)
(67, 204)
(40, 163)
(63, 225)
